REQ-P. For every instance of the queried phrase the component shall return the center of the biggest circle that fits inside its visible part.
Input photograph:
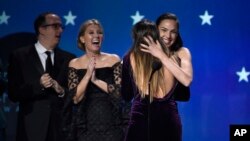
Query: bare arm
(184, 72)
(99, 83)
(82, 86)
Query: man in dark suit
(38, 90)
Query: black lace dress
(98, 116)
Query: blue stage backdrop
(216, 32)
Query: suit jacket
(39, 108)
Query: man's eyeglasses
(55, 25)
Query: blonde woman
(92, 82)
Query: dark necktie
(48, 64)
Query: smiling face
(92, 38)
(168, 29)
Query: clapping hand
(91, 66)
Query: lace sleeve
(73, 80)
(69, 109)
(115, 88)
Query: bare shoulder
(112, 58)
(184, 52)
(75, 63)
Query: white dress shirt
(42, 55)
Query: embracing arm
(184, 72)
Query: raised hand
(154, 48)
(91, 66)
(93, 77)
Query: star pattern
(137, 17)
(4, 18)
(70, 19)
(243, 74)
(206, 18)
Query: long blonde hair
(143, 61)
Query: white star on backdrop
(70, 18)
(206, 18)
(243, 74)
(137, 17)
(4, 18)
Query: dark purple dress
(163, 121)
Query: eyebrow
(168, 29)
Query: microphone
(155, 66)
